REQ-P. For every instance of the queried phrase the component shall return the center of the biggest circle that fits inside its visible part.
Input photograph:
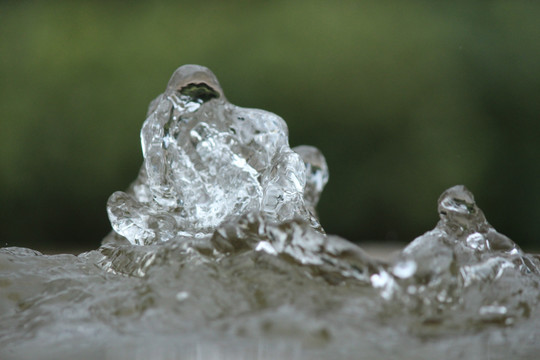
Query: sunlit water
(217, 253)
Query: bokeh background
(405, 99)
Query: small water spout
(207, 161)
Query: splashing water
(216, 252)
(207, 161)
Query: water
(217, 253)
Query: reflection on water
(217, 253)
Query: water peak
(458, 210)
(207, 162)
(195, 81)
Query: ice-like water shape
(207, 161)
(217, 253)
(464, 266)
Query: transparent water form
(217, 252)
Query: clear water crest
(217, 252)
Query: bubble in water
(316, 174)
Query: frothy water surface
(217, 253)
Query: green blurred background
(405, 99)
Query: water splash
(216, 245)
(207, 161)
(464, 271)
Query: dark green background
(405, 99)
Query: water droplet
(476, 241)
(404, 269)
(493, 309)
(182, 296)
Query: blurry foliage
(404, 98)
